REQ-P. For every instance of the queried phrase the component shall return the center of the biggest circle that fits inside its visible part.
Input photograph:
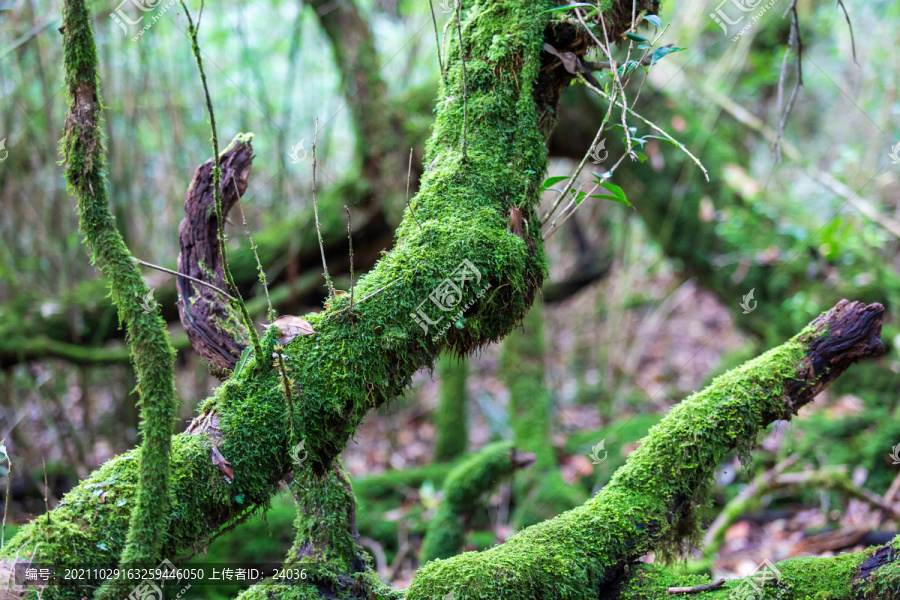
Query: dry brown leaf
(290, 327)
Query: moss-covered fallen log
(656, 501)
(871, 574)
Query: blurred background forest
(643, 305)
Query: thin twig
(462, 55)
(46, 490)
(614, 71)
(262, 273)
(849, 26)
(653, 125)
(437, 40)
(578, 170)
(695, 589)
(6, 500)
(236, 299)
(793, 39)
(378, 291)
(176, 273)
(408, 174)
(316, 211)
(350, 241)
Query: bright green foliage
(450, 422)
(469, 481)
(654, 502)
(540, 492)
(152, 353)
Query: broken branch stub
(210, 322)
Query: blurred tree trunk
(451, 422)
(539, 492)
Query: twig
(46, 489)
(350, 241)
(378, 291)
(262, 273)
(288, 395)
(695, 589)
(794, 38)
(614, 71)
(316, 211)
(176, 273)
(236, 299)
(6, 500)
(437, 40)
(408, 174)
(580, 165)
(462, 55)
(653, 125)
(850, 27)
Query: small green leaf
(617, 191)
(640, 156)
(552, 181)
(636, 37)
(657, 137)
(239, 498)
(655, 20)
(661, 52)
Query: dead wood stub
(215, 332)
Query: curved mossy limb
(656, 500)
(152, 354)
(234, 453)
(450, 422)
(871, 574)
(464, 486)
(539, 492)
